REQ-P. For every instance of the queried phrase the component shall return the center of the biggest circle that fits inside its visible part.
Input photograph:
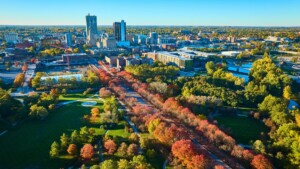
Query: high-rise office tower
(68, 39)
(91, 29)
(153, 37)
(120, 30)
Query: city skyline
(176, 12)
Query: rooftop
(75, 54)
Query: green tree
(54, 152)
(124, 164)
(287, 92)
(140, 162)
(153, 124)
(65, 140)
(210, 67)
(259, 147)
(109, 164)
(84, 134)
(75, 137)
(151, 153)
(38, 112)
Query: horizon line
(158, 25)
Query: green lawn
(243, 129)
(70, 97)
(118, 130)
(28, 145)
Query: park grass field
(28, 144)
(243, 129)
(72, 97)
(118, 130)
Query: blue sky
(152, 12)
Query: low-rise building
(48, 41)
(75, 58)
(179, 59)
(230, 53)
(112, 60)
(16, 54)
(109, 42)
(11, 38)
(121, 63)
(24, 45)
(55, 79)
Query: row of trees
(51, 52)
(137, 162)
(190, 155)
(41, 104)
(171, 105)
(156, 72)
(284, 124)
(70, 144)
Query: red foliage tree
(87, 151)
(248, 155)
(110, 146)
(24, 67)
(198, 162)
(184, 150)
(261, 162)
(103, 92)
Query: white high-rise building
(11, 38)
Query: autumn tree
(19, 79)
(72, 149)
(261, 162)
(184, 150)
(198, 162)
(24, 67)
(103, 92)
(134, 138)
(132, 150)
(87, 151)
(95, 112)
(110, 146)
(122, 150)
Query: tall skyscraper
(68, 39)
(91, 29)
(153, 38)
(120, 30)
